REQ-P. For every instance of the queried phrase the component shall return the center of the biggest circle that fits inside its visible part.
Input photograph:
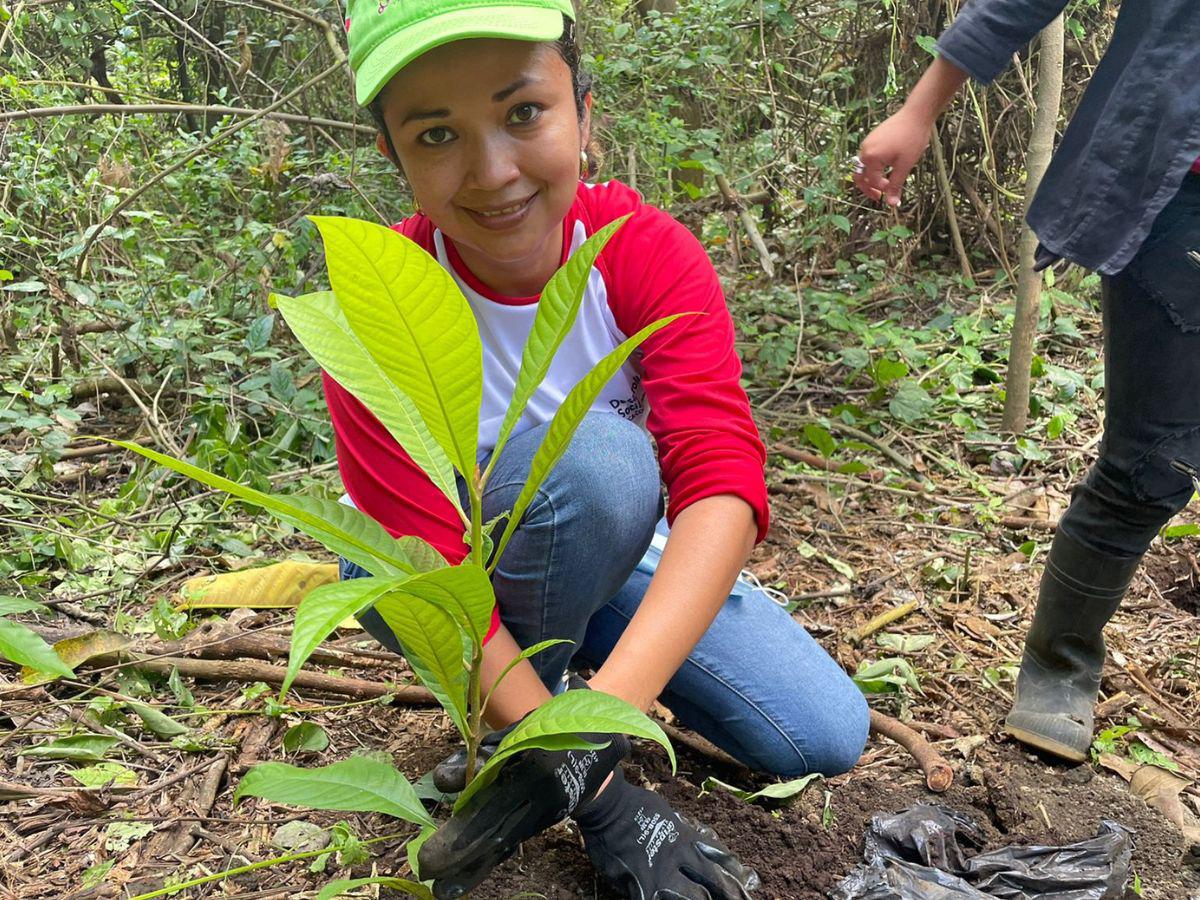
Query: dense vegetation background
(139, 242)
(157, 162)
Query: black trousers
(1152, 389)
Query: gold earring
(583, 161)
(416, 206)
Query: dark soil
(1178, 577)
(1016, 798)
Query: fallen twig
(938, 774)
(1022, 522)
(250, 672)
(95, 109)
(748, 223)
(821, 462)
(702, 746)
(894, 455)
(881, 621)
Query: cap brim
(522, 23)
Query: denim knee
(607, 480)
(842, 731)
(832, 740)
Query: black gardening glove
(534, 790)
(450, 775)
(647, 851)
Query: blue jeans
(757, 685)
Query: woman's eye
(524, 114)
(437, 136)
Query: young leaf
(411, 316)
(433, 646)
(570, 714)
(356, 784)
(319, 324)
(342, 885)
(562, 427)
(556, 311)
(343, 529)
(306, 736)
(322, 610)
(414, 846)
(785, 790)
(79, 747)
(24, 647)
(10, 605)
(158, 722)
(527, 653)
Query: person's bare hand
(889, 153)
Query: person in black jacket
(1122, 197)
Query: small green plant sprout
(1123, 740)
(397, 333)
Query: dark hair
(581, 85)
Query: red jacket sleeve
(699, 415)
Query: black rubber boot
(1064, 651)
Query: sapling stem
(474, 705)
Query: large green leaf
(568, 715)
(433, 646)
(562, 427)
(341, 528)
(24, 647)
(319, 324)
(463, 591)
(556, 311)
(357, 784)
(342, 885)
(326, 607)
(407, 310)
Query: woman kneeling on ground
(483, 108)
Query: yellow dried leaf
(78, 650)
(279, 586)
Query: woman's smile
(497, 217)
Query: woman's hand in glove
(649, 852)
(534, 790)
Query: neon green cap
(386, 35)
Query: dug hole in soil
(801, 851)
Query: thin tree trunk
(1029, 282)
(943, 178)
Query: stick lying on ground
(938, 774)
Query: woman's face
(489, 138)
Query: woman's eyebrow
(511, 89)
(421, 115)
